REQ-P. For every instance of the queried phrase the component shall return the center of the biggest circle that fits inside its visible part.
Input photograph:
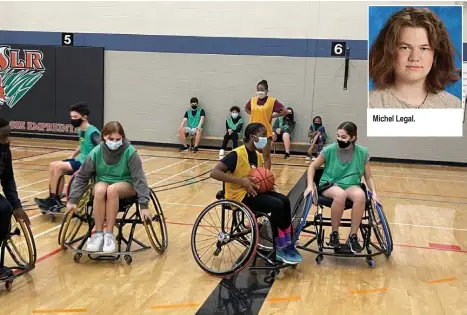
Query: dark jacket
(7, 177)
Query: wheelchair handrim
(251, 251)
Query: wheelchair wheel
(21, 245)
(73, 221)
(228, 231)
(300, 212)
(157, 228)
(380, 226)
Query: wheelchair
(21, 248)
(252, 232)
(78, 226)
(373, 219)
(58, 208)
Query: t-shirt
(193, 112)
(346, 155)
(230, 160)
(387, 99)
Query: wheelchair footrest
(343, 249)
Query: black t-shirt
(230, 160)
(193, 112)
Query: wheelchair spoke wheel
(224, 238)
(20, 244)
(72, 222)
(380, 226)
(157, 228)
(300, 213)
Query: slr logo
(18, 75)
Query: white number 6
(338, 49)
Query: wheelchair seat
(327, 202)
(127, 202)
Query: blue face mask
(262, 142)
(114, 145)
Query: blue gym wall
(159, 54)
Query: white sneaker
(221, 152)
(110, 244)
(95, 243)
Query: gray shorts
(190, 131)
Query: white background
(428, 123)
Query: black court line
(245, 292)
(165, 156)
(36, 155)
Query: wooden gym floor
(426, 274)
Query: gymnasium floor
(426, 274)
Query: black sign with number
(338, 49)
(67, 39)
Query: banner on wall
(38, 84)
(414, 86)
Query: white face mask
(261, 94)
(234, 115)
(114, 145)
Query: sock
(284, 239)
(100, 232)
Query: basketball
(263, 178)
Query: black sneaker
(183, 148)
(5, 273)
(334, 240)
(47, 203)
(195, 149)
(353, 243)
(286, 156)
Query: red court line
(55, 251)
(445, 246)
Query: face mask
(114, 145)
(261, 94)
(261, 144)
(289, 116)
(194, 106)
(234, 115)
(317, 125)
(76, 122)
(343, 144)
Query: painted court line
(368, 291)
(445, 246)
(442, 280)
(66, 310)
(163, 180)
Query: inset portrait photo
(415, 57)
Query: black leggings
(5, 219)
(227, 137)
(275, 203)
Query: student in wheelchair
(345, 164)
(233, 170)
(118, 172)
(10, 203)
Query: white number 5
(67, 39)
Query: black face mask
(194, 107)
(289, 117)
(317, 125)
(76, 122)
(343, 144)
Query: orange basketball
(263, 178)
